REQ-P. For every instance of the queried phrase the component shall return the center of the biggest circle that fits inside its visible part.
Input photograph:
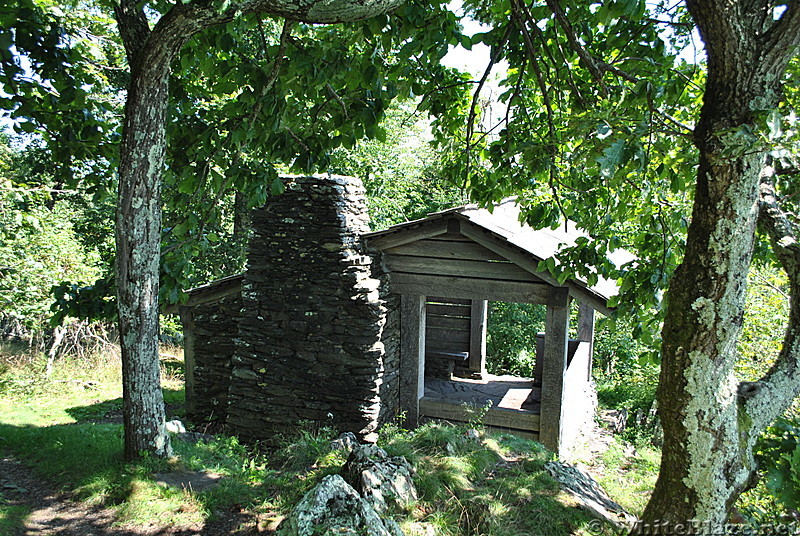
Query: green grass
(628, 476)
(11, 517)
(492, 484)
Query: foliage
(61, 70)
(778, 454)
(400, 172)
(245, 103)
(511, 337)
(635, 394)
(766, 316)
(617, 350)
(606, 148)
(38, 250)
(493, 484)
(248, 103)
(48, 237)
(627, 473)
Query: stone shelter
(339, 326)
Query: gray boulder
(333, 507)
(385, 482)
(590, 495)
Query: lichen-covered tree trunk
(138, 237)
(138, 224)
(710, 421)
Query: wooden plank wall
(452, 254)
(519, 421)
(455, 266)
(448, 325)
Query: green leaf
(774, 125)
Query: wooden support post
(187, 321)
(477, 337)
(412, 355)
(553, 368)
(586, 332)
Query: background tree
(603, 114)
(243, 96)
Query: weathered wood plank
(451, 237)
(215, 291)
(505, 271)
(585, 323)
(502, 417)
(405, 236)
(449, 322)
(553, 367)
(446, 249)
(412, 355)
(448, 301)
(456, 311)
(479, 289)
(477, 340)
(530, 263)
(446, 335)
(446, 346)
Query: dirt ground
(53, 513)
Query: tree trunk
(138, 236)
(709, 425)
(138, 220)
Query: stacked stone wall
(310, 344)
(390, 386)
(214, 328)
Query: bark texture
(710, 421)
(138, 231)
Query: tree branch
(584, 55)
(783, 38)
(133, 27)
(476, 94)
(776, 390)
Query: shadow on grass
(84, 460)
(110, 411)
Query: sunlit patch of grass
(493, 484)
(627, 475)
(469, 482)
(11, 516)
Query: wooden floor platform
(514, 402)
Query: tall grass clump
(475, 482)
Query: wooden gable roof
(492, 253)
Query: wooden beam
(553, 367)
(504, 271)
(477, 340)
(454, 311)
(215, 291)
(434, 345)
(187, 321)
(586, 332)
(446, 249)
(530, 263)
(585, 323)
(461, 287)
(446, 335)
(405, 236)
(448, 301)
(412, 355)
(453, 323)
(503, 417)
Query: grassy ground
(67, 427)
